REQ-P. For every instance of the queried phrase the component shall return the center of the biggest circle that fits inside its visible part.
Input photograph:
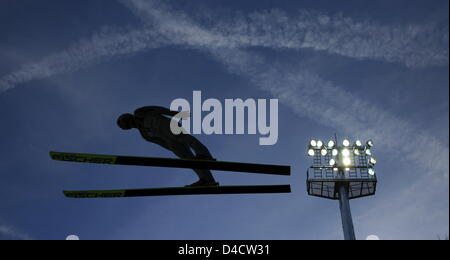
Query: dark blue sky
(376, 69)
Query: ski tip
(66, 194)
(52, 154)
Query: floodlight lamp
(356, 151)
(311, 152)
(319, 144)
(373, 161)
(335, 169)
(313, 143)
(347, 169)
(331, 144)
(335, 152)
(332, 162)
(346, 161)
(368, 152)
(358, 143)
(346, 143)
(346, 152)
(370, 143)
(324, 152)
(371, 172)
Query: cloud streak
(99, 48)
(411, 45)
(414, 45)
(12, 233)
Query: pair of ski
(175, 163)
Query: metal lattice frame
(328, 187)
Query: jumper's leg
(201, 151)
(205, 176)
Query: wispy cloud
(414, 45)
(11, 233)
(411, 45)
(100, 47)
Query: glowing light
(332, 162)
(371, 172)
(319, 144)
(346, 161)
(347, 169)
(370, 143)
(346, 152)
(356, 151)
(331, 144)
(368, 152)
(346, 143)
(313, 143)
(335, 152)
(373, 237)
(324, 152)
(335, 169)
(358, 143)
(311, 152)
(373, 161)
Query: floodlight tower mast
(342, 173)
(344, 206)
(346, 214)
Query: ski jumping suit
(154, 125)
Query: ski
(207, 190)
(174, 163)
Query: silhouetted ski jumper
(153, 123)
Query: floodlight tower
(342, 172)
